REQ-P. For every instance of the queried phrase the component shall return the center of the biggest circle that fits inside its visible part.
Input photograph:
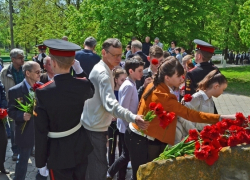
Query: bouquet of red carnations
(4, 116)
(207, 144)
(156, 109)
(28, 107)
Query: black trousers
(141, 150)
(122, 162)
(3, 144)
(75, 173)
(113, 132)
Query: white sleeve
(109, 101)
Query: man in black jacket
(40, 57)
(87, 58)
(146, 46)
(136, 48)
(23, 138)
(60, 139)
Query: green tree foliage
(36, 21)
(245, 23)
(223, 23)
(4, 24)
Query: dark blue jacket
(3, 100)
(87, 60)
(27, 138)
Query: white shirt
(128, 98)
(200, 102)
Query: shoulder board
(46, 84)
(192, 69)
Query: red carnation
(212, 157)
(235, 129)
(197, 145)
(202, 153)
(222, 126)
(223, 141)
(158, 109)
(233, 141)
(210, 132)
(152, 105)
(193, 134)
(216, 144)
(163, 115)
(35, 86)
(155, 61)
(243, 137)
(3, 113)
(171, 116)
(206, 142)
(240, 116)
(164, 123)
(187, 97)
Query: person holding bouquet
(24, 135)
(212, 85)
(145, 147)
(3, 135)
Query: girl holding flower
(212, 85)
(144, 147)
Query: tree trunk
(11, 24)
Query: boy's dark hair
(133, 63)
(178, 49)
(166, 54)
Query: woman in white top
(212, 85)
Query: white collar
(171, 90)
(149, 69)
(205, 97)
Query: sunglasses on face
(37, 72)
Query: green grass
(238, 80)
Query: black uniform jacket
(139, 84)
(58, 108)
(195, 75)
(143, 56)
(20, 92)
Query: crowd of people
(85, 101)
(239, 58)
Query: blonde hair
(62, 61)
(117, 72)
